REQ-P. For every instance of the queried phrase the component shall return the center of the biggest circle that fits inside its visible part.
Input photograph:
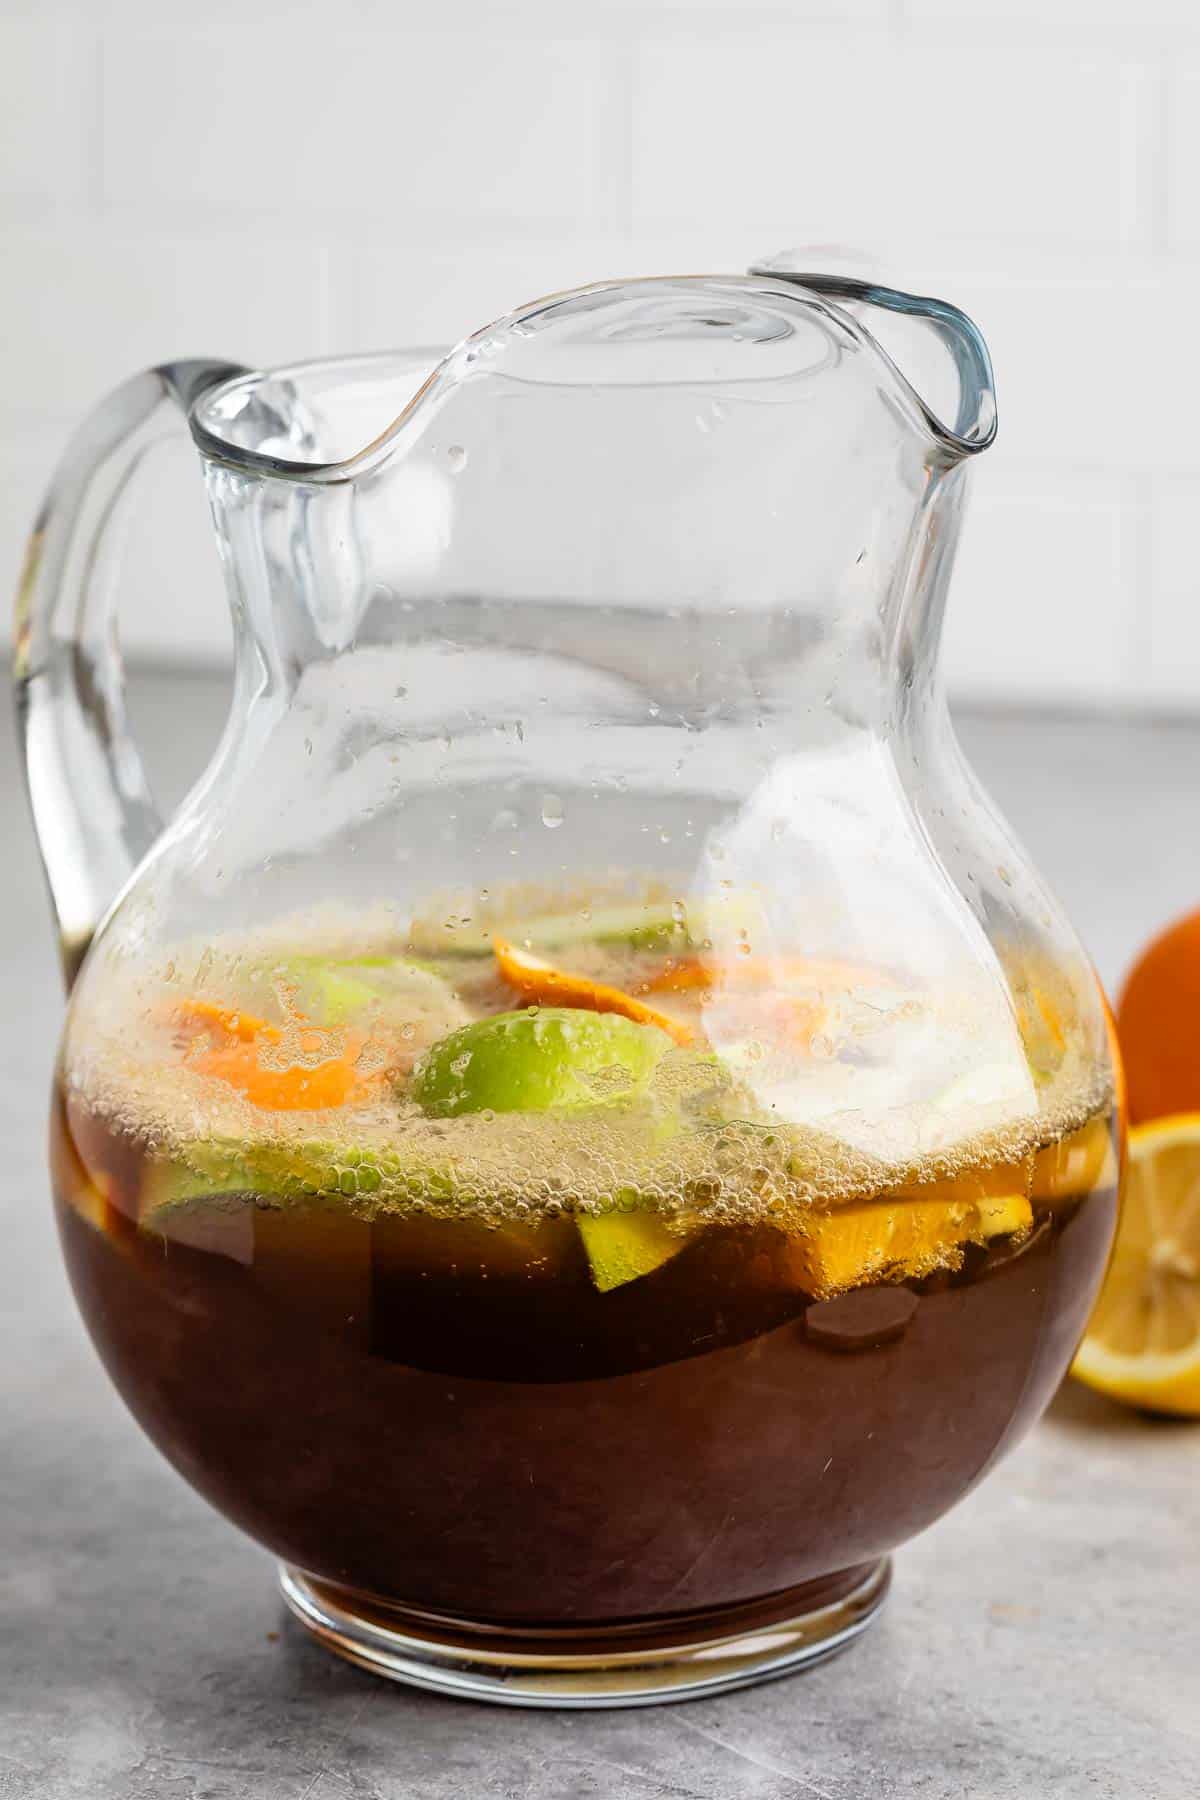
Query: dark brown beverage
(545, 1363)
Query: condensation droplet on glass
(653, 710)
(308, 746)
(778, 827)
(1004, 875)
(400, 692)
(456, 456)
(519, 728)
(552, 811)
(703, 424)
(678, 912)
(664, 836)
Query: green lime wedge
(621, 1247)
(530, 1061)
(391, 989)
(212, 1169)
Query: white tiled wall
(267, 179)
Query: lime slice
(390, 990)
(211, 1169)
(621, 1247)
(534, 1060)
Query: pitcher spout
(936, 353)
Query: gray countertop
(1043, 1640)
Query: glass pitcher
(584, 1132)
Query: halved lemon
(1143, 1339)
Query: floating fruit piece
(302, 1085)
(197, 1016)
(530, 1061)
(992, 1181)
(329, 993)
(300, 1068)
(689, 975)
(1142, 1343)
(391, 991)
(895, 1238)
(621, 1246)
(1076, 1164)
(541, 982)
(215, 1168)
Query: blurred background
(276, 180)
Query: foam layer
(906, 1087)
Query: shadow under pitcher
(584, 1132)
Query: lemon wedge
(1143, 1341)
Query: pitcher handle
(974, 427)
(91, 803)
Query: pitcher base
(622, 1665)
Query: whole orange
(1158, 1024)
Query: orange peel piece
(295, 1087)
(312, 1083)
(542, 983)
(206, 1015)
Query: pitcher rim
(974, 430)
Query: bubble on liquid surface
(552, 811)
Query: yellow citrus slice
(1143, 1340)
(894, 1238)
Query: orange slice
(542, 983)
(896, 1238)
(1142, 1343)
